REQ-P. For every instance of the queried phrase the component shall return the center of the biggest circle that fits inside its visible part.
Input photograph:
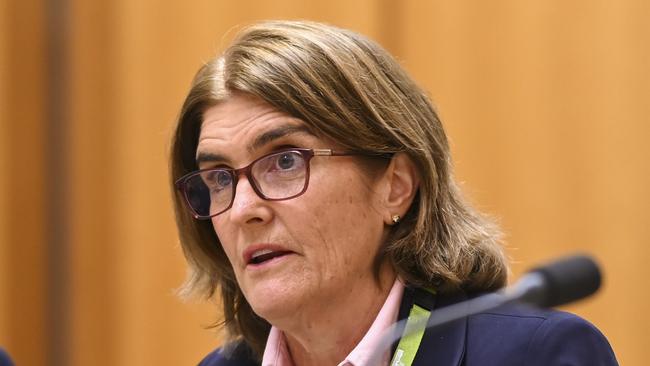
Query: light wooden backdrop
(547, 105)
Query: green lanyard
(408, 346)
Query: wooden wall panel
(94, 241)
(4, 179)
(545, 104)
(24, 321)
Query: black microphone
(560, 282)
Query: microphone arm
(563, 281)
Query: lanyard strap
(408, 346)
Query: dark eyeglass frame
(307, 154)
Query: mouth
(258, 255)
(264, 255)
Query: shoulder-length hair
(349, 89)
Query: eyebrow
(262, 140)
(276, 133)
(204, 157)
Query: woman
(315, 192)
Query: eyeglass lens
(276, 176)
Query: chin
(274, 300)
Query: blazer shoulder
(567, 339)
(531, 336)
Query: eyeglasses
(274, 177)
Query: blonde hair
(349, 89)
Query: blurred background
(546, 104)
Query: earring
(396, 219)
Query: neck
(327, 334)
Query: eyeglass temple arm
(324, 152)
(330, 152)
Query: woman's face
(315, 249)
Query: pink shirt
(276, 352)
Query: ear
(402, 182)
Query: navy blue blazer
(4, 359)
(512, 335)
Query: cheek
(347, 223)
(225, 239)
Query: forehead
(244, 124)
(238, 115)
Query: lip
(247, 255)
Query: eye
(286, 161)
(218, 179)
(283, 165)
(223, 178)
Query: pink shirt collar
(276, 352)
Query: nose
(247, 206)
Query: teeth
(261, 252)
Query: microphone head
(567, 280)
